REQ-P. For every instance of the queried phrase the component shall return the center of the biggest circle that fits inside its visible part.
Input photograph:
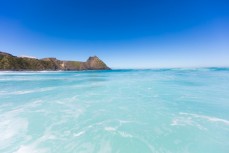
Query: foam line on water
(27, 91)
(30, 149)
(78, 134)
(209, 118)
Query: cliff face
(14, 63)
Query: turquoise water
(119, 111)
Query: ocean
(115, 111)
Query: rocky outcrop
(14, 63)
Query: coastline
(10, 62)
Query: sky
(123, 33)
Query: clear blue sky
(123, 33)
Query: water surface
(118, 111)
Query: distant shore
(9, 62)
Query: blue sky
(123, 33)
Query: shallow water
(118, 111)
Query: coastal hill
(14, 63)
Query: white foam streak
(30, 149)
(27, 91)
(125, 134)
(110, 129)
(11, 128)
(78, 134)
(209, 118)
